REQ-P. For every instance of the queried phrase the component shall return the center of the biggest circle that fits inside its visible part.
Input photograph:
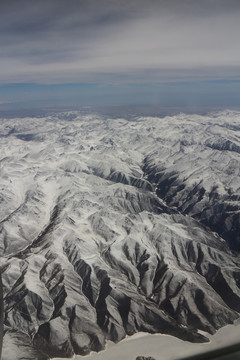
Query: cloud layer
(68, 41)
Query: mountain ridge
(110, 227)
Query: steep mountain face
(114, 226)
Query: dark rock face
(221, 213)
(104, 238)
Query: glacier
(112, 226)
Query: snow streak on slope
(110, 226)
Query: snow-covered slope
(113, 226)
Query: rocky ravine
(113, 226)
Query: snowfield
(111, 227)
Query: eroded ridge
(110, 227)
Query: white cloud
(146, 46)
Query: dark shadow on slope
(1, 314)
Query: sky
(107, 52)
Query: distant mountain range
(110, 226)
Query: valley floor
(164, 346)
